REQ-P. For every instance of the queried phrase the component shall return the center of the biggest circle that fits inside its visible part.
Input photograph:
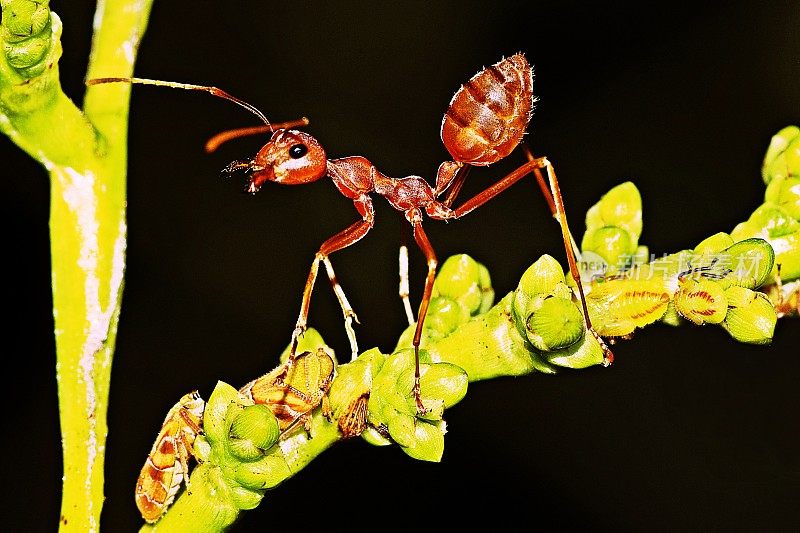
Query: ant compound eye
(297, 151)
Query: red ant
(484, 123)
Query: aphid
(627, 303)
(484, 123)
(168, 463)
(291, 391)
(294, 389)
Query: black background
(687, 430)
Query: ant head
(290, 157)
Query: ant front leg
(415, 218)
(343, 239)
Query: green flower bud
(751, 262)
(374, 437)
(25, 18)
(594, 219)
(783, 155)
(745, 230)
(622, 207)
(787, 255)
(201, 449)
(256, 424)
(399, 399)
(785, 193)
(223, 400)
(266, 473)
(443, 381)
(445, 314)
(612, 243)
(780, 230)
(377, 411)
(395, 364)
(541, 277)
(562, 290)
(773, 221)
(244, 450)
(464, 280)
(433, 409)
(462, 289)
(457, 275)
(487, 293)
(701, 301)
(246, 499)
(751, 317)
(354, 379)
(401, 428)
(428, 442)
(27, 53)
(583, 354)
(557, 323)
(715, 243)
(403, 400)
(642, 255)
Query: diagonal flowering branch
(536, 328)
(85, 153)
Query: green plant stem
(85, 154)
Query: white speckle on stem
(80, 196)
(291, 446)
(129, 49)
(98, 15)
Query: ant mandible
(484, 123)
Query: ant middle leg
(354, 233)
(403, 289)
(424, 243)
(347, 310)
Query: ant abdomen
(488, 115)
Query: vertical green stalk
(86, 156)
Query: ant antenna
(212, 90)
(220, 138)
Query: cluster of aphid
(291, 392)
(711, 284)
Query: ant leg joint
(299, 330)
(608, 355)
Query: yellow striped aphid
(168, 463)
(621, 304)
(294, 389)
